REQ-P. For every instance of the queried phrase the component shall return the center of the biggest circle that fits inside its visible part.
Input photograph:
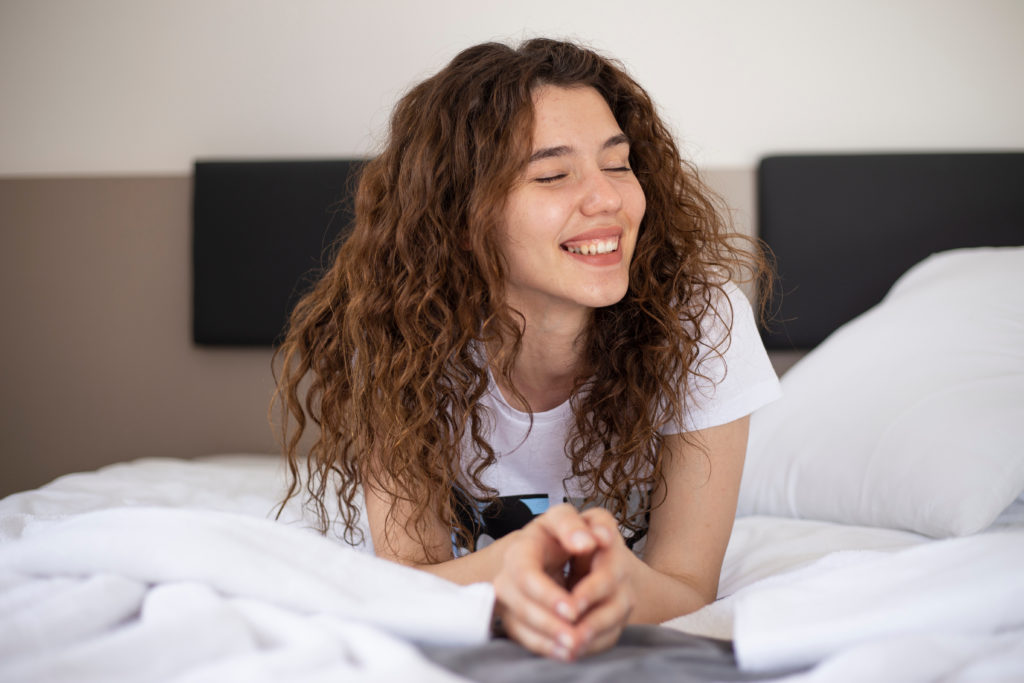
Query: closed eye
(550, 178)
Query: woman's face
(572, 219)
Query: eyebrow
(562, 150)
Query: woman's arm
(688, 532)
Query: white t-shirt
(532, 464)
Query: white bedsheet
(172, 589)
(959, 587)
(870, 604)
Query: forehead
(576, 112)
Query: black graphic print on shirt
(489, 521)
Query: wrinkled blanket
(950, 610)
(157, 593)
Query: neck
(548, 365)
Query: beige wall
(98, 365)
(109, 87)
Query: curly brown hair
(383, 354)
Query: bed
(880, 533)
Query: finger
(524, 579)
(606, 576)
(569, 528)
(543, 620)
(540, 642)
(537, 550)
(603, 526)
(537, 587)
(602, 641)
(601, 627)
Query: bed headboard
(843, 228)
(260, 232)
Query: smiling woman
(529, 355)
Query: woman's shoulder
(732, 375)
(717, 309)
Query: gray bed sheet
(648, 654)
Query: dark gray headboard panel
(261, 231)
(843, 228)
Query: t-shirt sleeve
(734, 379)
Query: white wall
(141, 86)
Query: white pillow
(911, 416)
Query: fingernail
(581, 540)
(565, 611)
(603, 533)
(559, 652)
(565, 640)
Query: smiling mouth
(593, 247)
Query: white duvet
(870, 604)
(190, 582)
(173, 570)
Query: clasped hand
(563, 588)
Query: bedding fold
(114, 585)
(969, 586)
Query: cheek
(515, 236)
(540, 219)
(635, 205)
(511, 223)
(639, 204)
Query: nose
(600, 195)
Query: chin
(606, 296)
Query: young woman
(529, 355)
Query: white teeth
(596, 247)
